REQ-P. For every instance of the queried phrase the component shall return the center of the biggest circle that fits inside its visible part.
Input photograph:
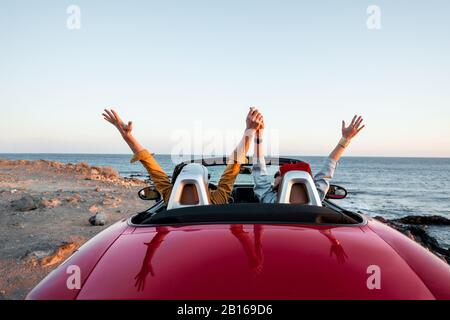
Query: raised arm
(253, 123)
(323, 177)
(262, 182)
(125, 130)
(348, 133)
(238, 157)
(157, 174)
(258, 155)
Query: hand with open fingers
(112, 117)
(353, 129)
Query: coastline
(44, 211)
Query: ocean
(388, 187)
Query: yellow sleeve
(225, 186)
(157, 174)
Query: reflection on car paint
(253, 251)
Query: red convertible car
(189, 249)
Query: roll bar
(220, 161)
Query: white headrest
(291, 178)
(196, 168)
(192, 174)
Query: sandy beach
(44, 215)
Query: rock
(26, 203)
(98, 189)
(103, 173)
(22, 162)
(112, 202)
(95, 171)
(50, 203)
(59, 254)
(415, 228)
(93, 208)
(55, 164)
(381, 219)
(83, 165)
(98, 219)
(34, 257)
(74, 199)
(47, 258)
(427, 220)
(109, 172)
(18, 225)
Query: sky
(175, 66)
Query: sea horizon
(195, 155)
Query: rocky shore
(45, 213)
(415, 227)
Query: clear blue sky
(169, 64)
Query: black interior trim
(251, 213)
(222, 161)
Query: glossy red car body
(250, 261)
